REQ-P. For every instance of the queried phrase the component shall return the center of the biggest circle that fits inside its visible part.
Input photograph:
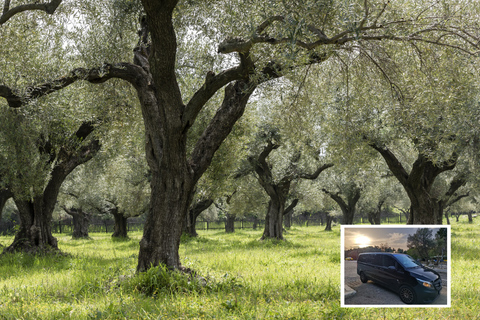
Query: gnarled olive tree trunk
(425, 208)
(328, 224)
(81, 222)
(195, 210)
(35, 233)
(230, 223)
(277, 191)
(121, 225)
(374, 216)
(348, 205)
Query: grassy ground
(246, 279)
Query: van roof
(379, 253)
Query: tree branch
(364, 31)
(336, 197)
(211, 85)
(393, 164)
(8, 12)
(315, 175)
(290, 207)
(199, 206)
(232, 108)
(69, 157)
(126, 71)
(457, 198)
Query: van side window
(388, 261)
(377, 259)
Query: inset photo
(395, 266)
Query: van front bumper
(426, 295)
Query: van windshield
(407, 261)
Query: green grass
(245, 279)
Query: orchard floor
(245, 279)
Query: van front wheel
(407, 294)
(363, 277)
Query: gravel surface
(372, 294)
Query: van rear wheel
(363, 277)
(407, 294)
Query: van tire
(363, 277)
(407, 294)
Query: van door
(375, 267)
(391, 272)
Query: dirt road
(372, 294)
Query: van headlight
(426, 284)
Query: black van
(402, 274)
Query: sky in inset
(392, 237)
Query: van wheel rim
(407, 295)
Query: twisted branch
(8, 12)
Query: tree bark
(120, 227)
(81, 221)
(274, 220)
(35, 234)
(195, 210)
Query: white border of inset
(342, 266)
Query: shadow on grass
(19, 263)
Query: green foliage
(160, 280)
(421, 241)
